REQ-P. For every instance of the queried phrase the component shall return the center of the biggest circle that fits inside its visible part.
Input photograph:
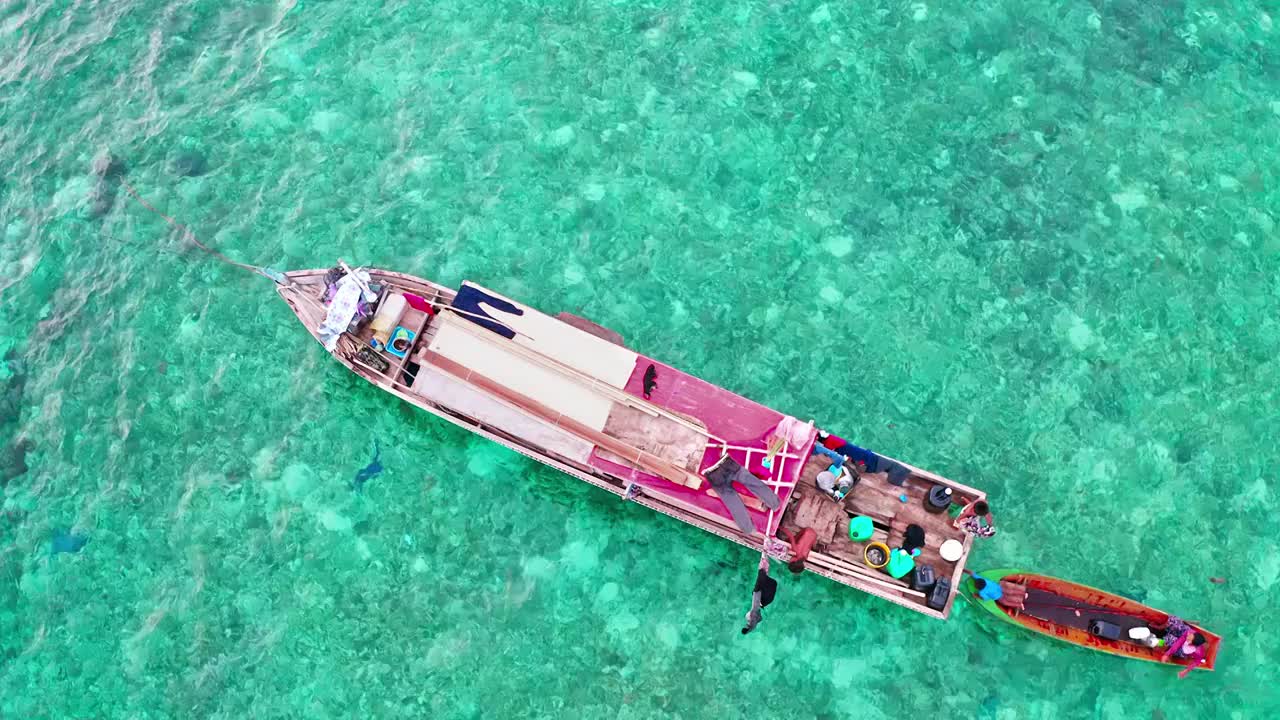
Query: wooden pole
(837, 562)
(749, 450)
(682, 506)
(836, 566)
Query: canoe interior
(670, 429)
(1063, 609)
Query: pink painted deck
(728, 416)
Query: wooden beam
(643, 459)
(620, 396)
(830, 566)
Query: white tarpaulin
(342, 309)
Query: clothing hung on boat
(727, 471)
(472, 300)
(761, 595)
(1175, 628)
(342, 309)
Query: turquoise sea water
(1029, 245)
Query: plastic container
(861, 528)
(876, 555)
(924, 578)
(386, 319)
(938, 500)
(937, 598)
(951, 550)
(901, 563)
(401, 341)
(1104, 629)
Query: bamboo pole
(642, 459)
(862, 570)
(823, 562)
(837, 564)
(651, 495)
(681, 506)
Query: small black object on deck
(939, 499)
(938, 595)
(923, 578)
(1104, 629)
(650, 381)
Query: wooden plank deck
(876, 498)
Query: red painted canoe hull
(1074, 595)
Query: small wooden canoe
(1064, 610)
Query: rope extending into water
(268, 273)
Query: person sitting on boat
(976, 519)
(984, 588)
(801, 546)
(839, 449)
(1170, 630)
(761, 595)
(1190, 648)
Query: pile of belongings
(350, 297)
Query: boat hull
(1055, 607)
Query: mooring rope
(273, 275)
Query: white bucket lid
(951, 550)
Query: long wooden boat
(1065, 610)
(569, 394)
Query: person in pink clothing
(976, 519)
(1190, 648)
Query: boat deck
(875, 497)
(741, 423)
(1066, 612)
